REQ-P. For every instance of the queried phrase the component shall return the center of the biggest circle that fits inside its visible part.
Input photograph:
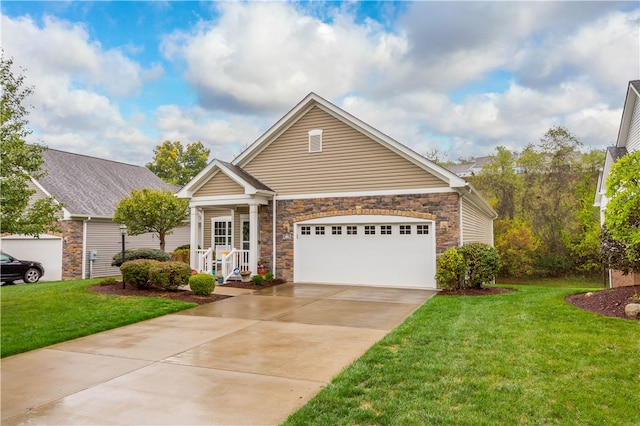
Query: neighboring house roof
(92, 187)
(628, 139)
(460, 169)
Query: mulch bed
(609, 302)
(183, 295)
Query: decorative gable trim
(217, 166)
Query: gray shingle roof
(89, 186)
(636, 85)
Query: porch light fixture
(444, 226)
(123, 232)
(286, 231)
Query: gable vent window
(315, 140)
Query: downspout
(273, 238)
(84, 247)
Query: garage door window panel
(405, 229)
(319, 230)
(336, 230)
(352, 230)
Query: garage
(393, 251)
(47, 249)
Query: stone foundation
(619, 280)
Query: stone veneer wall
(619, 280)
(71, 249)
(438, 207)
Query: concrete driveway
(249, 360)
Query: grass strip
(41, 314)
(525, 358)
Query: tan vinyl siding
(477, 227)
(349, 162)
(105, 238)
(220, 184)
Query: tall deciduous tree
(20, 162)
(622, 217)
(177, 164)
(149, 210)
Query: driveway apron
(248, 360)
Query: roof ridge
(94, 158)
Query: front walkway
(249, 360)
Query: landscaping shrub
(202, 284)
(268, 277)
(170, 275)
(107, 281)
(184, 247)
(482, 262)
(469, 266)
(257, 279)
(143, 253)
(181, 255)
(136, 272)
(451, 270)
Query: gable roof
(92, 187)
(243, 178)
(312, 100)
(633, 92)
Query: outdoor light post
(123, 232)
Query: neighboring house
(89, 189)
(473, 169)
(325, 198)
(628, 141)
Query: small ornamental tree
(150, 210)
(516, 246)
(622, 217)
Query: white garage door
(47, 249)
(365, 249)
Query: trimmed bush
(469, 266)
(482, 262)
(257, 279)
(143, 253)
(202, 284)
(451, 270)
(184, 247)
(268, 277)
(181, 255)
(170, 275)
(136, 272)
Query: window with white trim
(319, 230)
(315, 140)
(305, 230)
(385, 229)
(352, 230)
(336, 230)
(222, 231)
(369, 230)
(422, 229)
(405, 229)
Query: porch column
(253, 238)
(193, 239)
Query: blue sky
(115, 79)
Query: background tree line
(544, 197)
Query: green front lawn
(41, 314)
(525, 358)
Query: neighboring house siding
(220, 184)
(349, 161)
(106, 240)
(633, 140)
(477, 227)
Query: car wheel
(31, 276)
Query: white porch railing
(225, 264)
(204, 260)
(236, 259)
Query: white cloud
(270, 55)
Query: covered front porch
(225, 237)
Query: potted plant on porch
(262, 267)
(245, 276)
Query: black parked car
(12, 269)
